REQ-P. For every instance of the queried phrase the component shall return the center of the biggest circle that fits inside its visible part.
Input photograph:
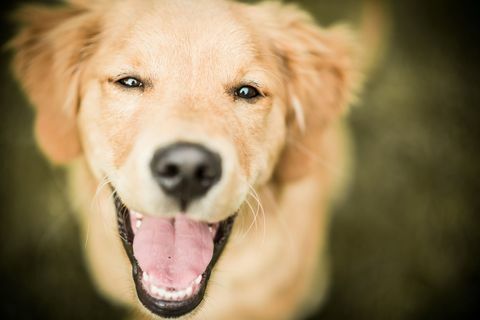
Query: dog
(204, 144)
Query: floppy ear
(49, 53)
(321, 76)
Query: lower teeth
(172, 294)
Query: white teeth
(181, 294)
(139, 219)
(154, 289)
(168, 296)
(175, 295)
(162, 292)
(212, 228)
(171, 294)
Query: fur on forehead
(319, 68)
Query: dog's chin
(172, 258)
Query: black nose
(186, 171)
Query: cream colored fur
(284, 155)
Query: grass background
(405, 241)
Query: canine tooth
(146, 277)
(198, 279)
(138, 224)
(189, 291)
(139, 216)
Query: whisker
(244, 235)
(262, 210)
(96, 206)
(113, 228)
(92, 203)
(255, 216)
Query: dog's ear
(321, 77)
(48, 57)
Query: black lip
(168, 309)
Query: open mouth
(172, 258)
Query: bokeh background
(404, 242)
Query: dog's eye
(130, 82)
(247, 92)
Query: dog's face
(182, 108)
(165, 85)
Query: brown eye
(247, 92)
(130, 82)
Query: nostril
(169, 171)
(204, 172)
(206, 175)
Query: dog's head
(183, 107)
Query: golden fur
(284, 154)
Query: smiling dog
(204, 146)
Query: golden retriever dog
(204, 146)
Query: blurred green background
(404, 242)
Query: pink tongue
(173, 251)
